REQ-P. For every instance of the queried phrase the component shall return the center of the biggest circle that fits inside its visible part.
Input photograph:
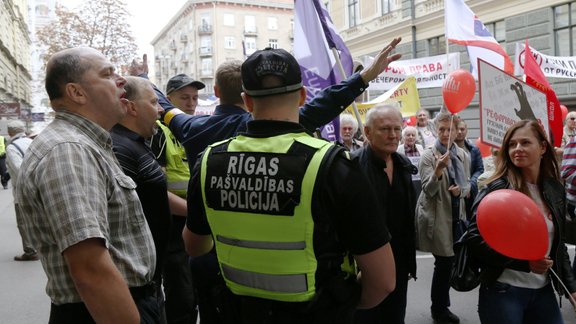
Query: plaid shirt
(411, 151)
(70, 189)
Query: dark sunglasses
(572, 118)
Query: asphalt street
(23, 297)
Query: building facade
(203, 34)
(15, 44)
(549, 25)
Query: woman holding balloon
(444, 172)
(516, 266)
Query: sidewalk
(22, 297)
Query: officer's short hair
(229, 82)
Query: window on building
(250, 24)
(498, 31)
(206, 67)
(386, 6)
(205, 45)
(272, 23)
(565, 29)
(249, 45)
(205, 19)
(228, 20)
(436, 45)
(273, 43)
(206, 41)
(353, 11)
(229, 42)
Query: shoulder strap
(18, 148)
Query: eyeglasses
(572, 118)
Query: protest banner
(314, 38)
(429, 72)
(552, 66)
(534, 76)
(505, 100)
(404, 94)
(463, 27)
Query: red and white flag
(535, 77)
(464, 28)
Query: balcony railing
(250, 30)
(427, 7)
(205, 50)
(205, 29)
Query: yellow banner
(405, 94)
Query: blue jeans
(506, 304)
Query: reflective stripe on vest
(278, 283)
(177, 169)
(262, 245)
(263, 254)
(180, 185)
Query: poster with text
(505, 100)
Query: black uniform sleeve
(196, 220)
(351, 205)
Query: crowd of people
(142, 212)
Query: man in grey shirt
(15, 150)
(78, 208)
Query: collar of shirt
(94, 131)
(227, 109)
(376, 160)
(123, 131)
(272, 127)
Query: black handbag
(465, 274)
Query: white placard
(505, 100)
(429, 72)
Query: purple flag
(314, 38)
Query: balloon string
(565, 289)
(450, 131)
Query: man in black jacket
(390, 175)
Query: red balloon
(458, 90)
(511, 223)
(484, 148)
(564, 110)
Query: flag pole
(443, 107)
(344, 76)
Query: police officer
(4, 176)
(182, 91)
(286, 212)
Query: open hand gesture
(139, 66)
(381, 61)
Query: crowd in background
(142, 212)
